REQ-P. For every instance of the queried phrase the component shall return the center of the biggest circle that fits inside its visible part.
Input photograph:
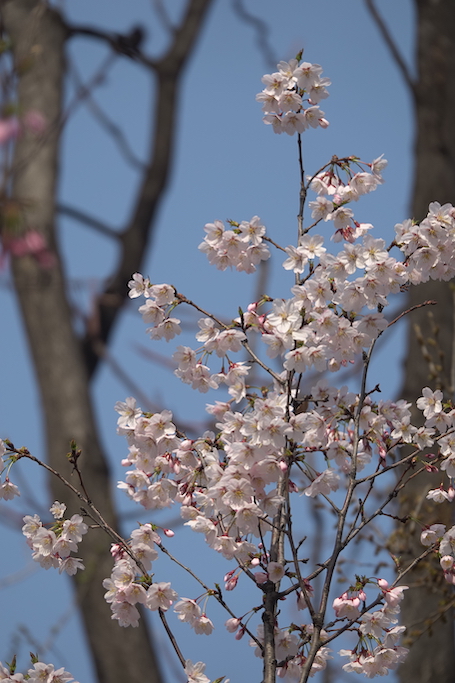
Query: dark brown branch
(394, 51)
(90, 221)
(136, 236)
(262, 30)
(127, 44)
(430, 302)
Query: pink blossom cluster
(291, 96)
(39, 673)
(52, 547)
(240, 247)
(291, 648)
(130, 584)
(444, 543)
(377, 650)
(339, 183)
(159, 303)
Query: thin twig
(172, 638)
(430, 302)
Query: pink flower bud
(240, 633)
(231, 583)
(117, 551)
(169, 533)
(232, 625)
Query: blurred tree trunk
(430, 346)
(63, 362)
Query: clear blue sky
(228, 165)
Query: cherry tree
(287, 441)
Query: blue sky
(227, 165)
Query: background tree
(430, 359)
(241, 189)
(64, 360)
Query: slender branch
(395, 53)
(171, 637)
(214, 593)
(111, 128)
(160, 10)
(257, 360)
(183, 300)
(88, 220)
(262, 30)
(338, 544)
(302, 584)
(96, 516)
(430, 302)
(269, 239)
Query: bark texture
(63, 362)
(430, 346)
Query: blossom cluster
(287, 93)
(377, 650)
(52, 547)
(159, 303)
(129, 585)
(444, 544)
(291, 646)
(228, 483)
(294, 439)
(241, 246)
(339, 183)
(39, 673)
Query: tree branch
(394, 51)
(136, 236)
(90, 221)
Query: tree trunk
(430, 345)
(38, 37)
(64, 363)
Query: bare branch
(126, 44)
(136, 236)
(163, 15)
(111, 128)
(90, 221)
(394, 51)
(262, 30)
